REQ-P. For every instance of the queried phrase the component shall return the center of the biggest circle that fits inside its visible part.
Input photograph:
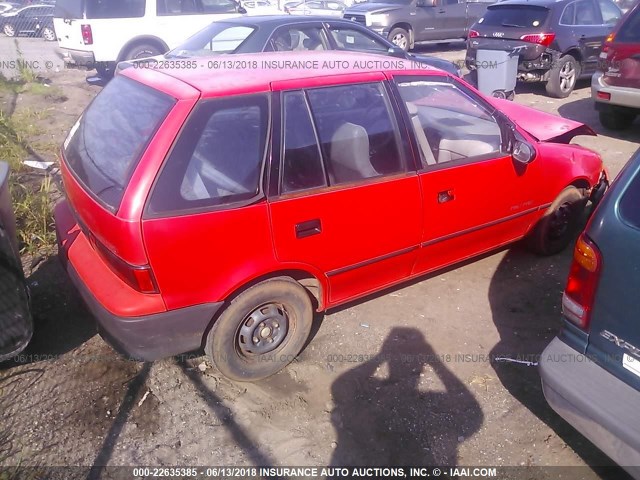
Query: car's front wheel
(613, 119)
(261, 331)
(555, 230)
(9, 30)
(48, 34)
(400, 37)
(563, 77)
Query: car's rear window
(106, 143)
(630, 29)
(519, 16)
(629, 206)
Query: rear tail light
(138, 277)
(87, 35)
(577, 300)
(543, 39)
(604, 95)
(473, 34)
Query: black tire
(616, 120)
(48, 34)
(105, 70)
(142, 50)
(563, 77)
(9, 30)
(277, 311)
(556, 229)
(400, 37)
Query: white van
(99, 33)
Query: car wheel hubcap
(48, 34)
(400, 40)
(263, 330)
(567, 76)
(8, 29)
(560, 222)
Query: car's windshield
(215, 39)
(518, 16)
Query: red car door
(475, 196)
(347, 203)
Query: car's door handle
(308, 228)
(445, 196)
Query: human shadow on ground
(402, 407)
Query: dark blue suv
(591, 371)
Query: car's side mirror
(396, 51)
(523, 152)
(241, 9)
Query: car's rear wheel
(142, 50)
(563, 77)
(400, 37)
(261, 331)
(555, 230)
(9, 30)
(48, 34)
(616, 120)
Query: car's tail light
(577, 300)
(473, 34)
(604, 95)
(138, 277)
(87, 35)
(543, 39)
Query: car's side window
(352, 39)
(448, 122)
(586, 13)
(177, 7)
(357, 130)
(218, 157)
(610, 13)
(218, 6)
(287, 39)
(568, 15)
(301, 161)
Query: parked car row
(284, 33)
(33, 20)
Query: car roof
(263, 69)
(277, 20)
(536, 3)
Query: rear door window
(358, 134)
(610, 13)
(628, 206)
(630, 30)
(217, 159)
(115, 8)
(518, 16)
(106, 144)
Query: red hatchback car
(222, 210)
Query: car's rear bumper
(80, 58)
(596, 403)
(619, 96)
(144, 336)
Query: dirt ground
(432, 396)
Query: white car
(98, 34)
(330, 8)
(261, 7)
